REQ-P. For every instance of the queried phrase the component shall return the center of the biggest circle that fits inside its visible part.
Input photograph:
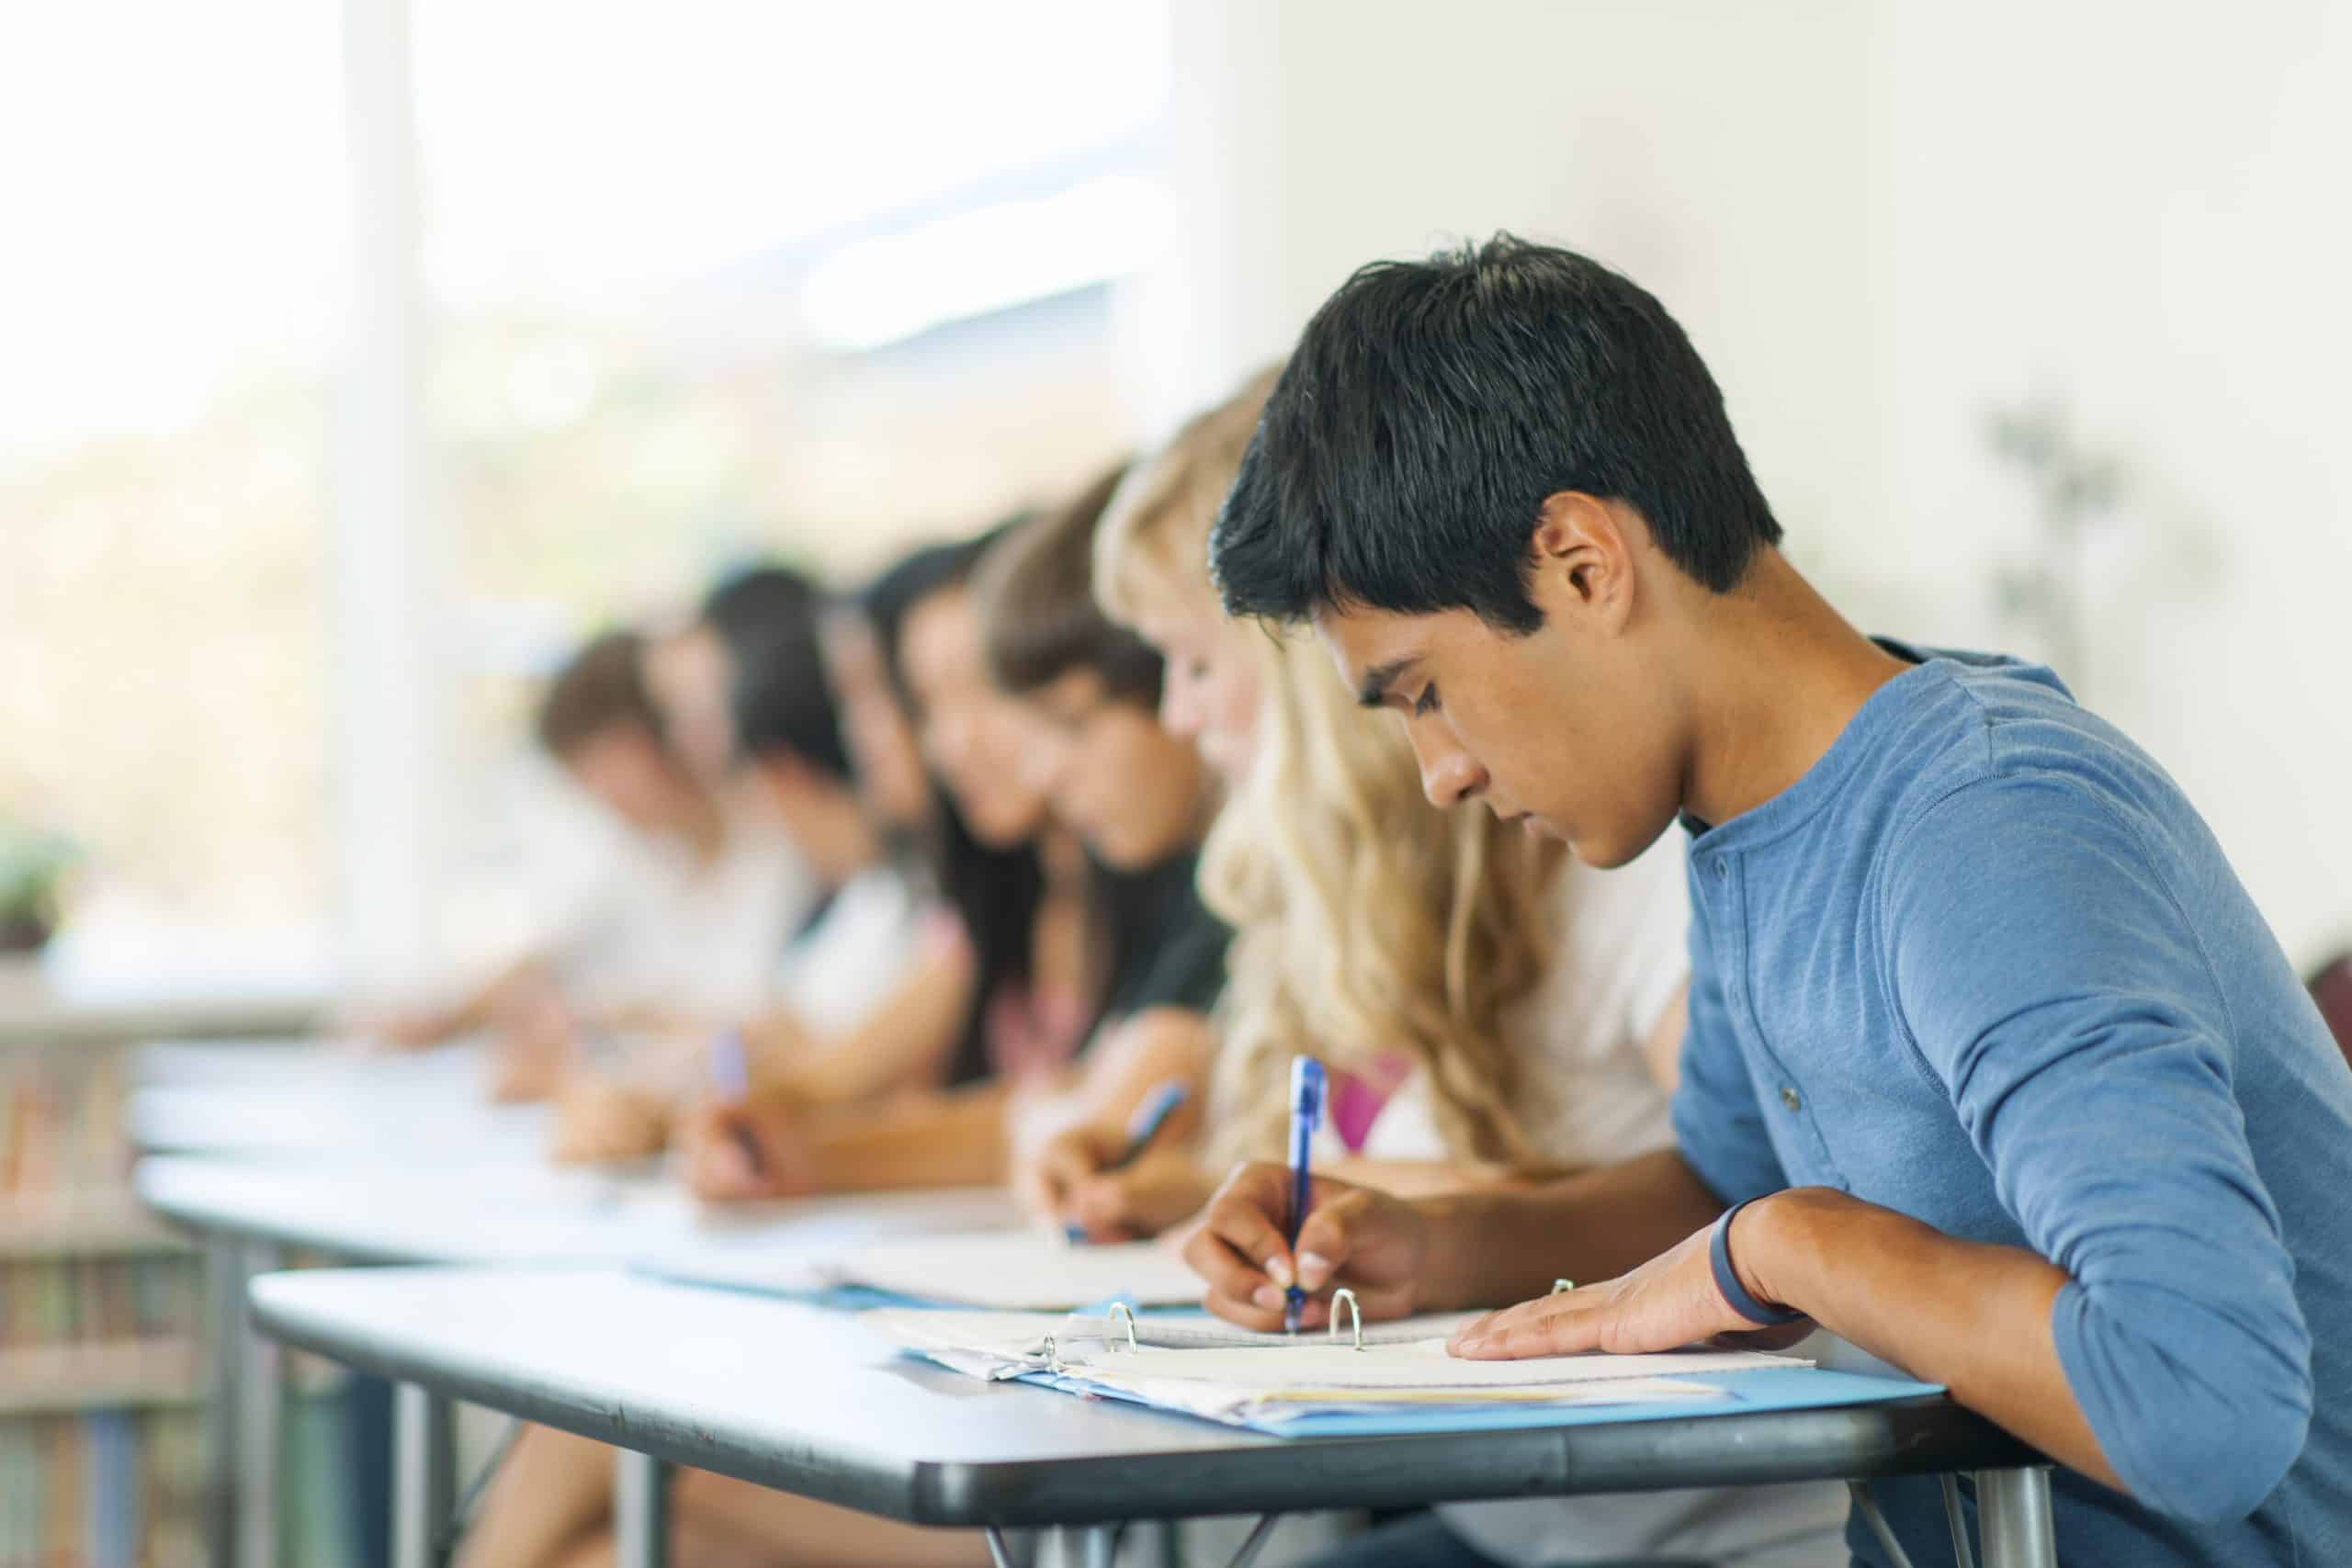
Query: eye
(1427, 701)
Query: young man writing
(1993, 1068)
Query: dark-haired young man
(1993, 1067)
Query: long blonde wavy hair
(1366, 922)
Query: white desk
(335, 1103)
(420, 1192)
(805, 1400)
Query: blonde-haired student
(1491, 1010)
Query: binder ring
(1355, 1315)
(1121, 1313)
(1562, 1287)
(1053, 1356)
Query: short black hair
(750, 603)
(1430, 408)
(783, 706)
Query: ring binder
(1355, 1315)
(1121, 1313)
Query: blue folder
(1739, 1394)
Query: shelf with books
(138, 1374)
(84, 1225)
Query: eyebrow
(1376, 681)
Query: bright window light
(892, 287)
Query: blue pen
(730, 1079)
(1306, 1116)
(1149, 1116)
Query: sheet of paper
(1018, 1271)
(1263, 1385)
(1014, 1342)
(1418, 1365)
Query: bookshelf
(103, 1315)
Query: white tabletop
(798, 1397)
(332, 1101)
(431, 1211)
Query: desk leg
(425, 1475)
(224, 1269)
(261, 1422)
(1078, 1545)
(640, 1510)
(2013, 1518)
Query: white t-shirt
(643, 922)
(1591, 1100)
(857, 952)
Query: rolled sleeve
(2050, 980)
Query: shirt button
(1791, 1099)
(1723, 870)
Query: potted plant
(33, 868)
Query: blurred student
(991, 947)
(1029, 618)
(1492, 1012)
(680, 917)
(1993, 1067)
(691, 669)
(1071, 717)
(864, 1000)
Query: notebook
(1016, 1271)
(1400, 1379)
(1001, 1345)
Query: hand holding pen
(1070, 1174)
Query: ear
(1583, 560)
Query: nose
(1449, 774)
(1037, 764)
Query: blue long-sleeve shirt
(1985, 965)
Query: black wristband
(1727, 1278)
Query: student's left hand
(1667, 1303)
(597, 1119)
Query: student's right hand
(402, 1028)
(1065, 1181)
(739, 1150)
(1375, 1244)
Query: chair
(2331, 989)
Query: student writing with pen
(1079, 695)
(1488, 1013)
(1993, 1067)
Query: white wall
(1878, 222)
(2143, 210)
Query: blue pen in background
(1150, 1117)
(1306, 1116)
(730, 1079)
